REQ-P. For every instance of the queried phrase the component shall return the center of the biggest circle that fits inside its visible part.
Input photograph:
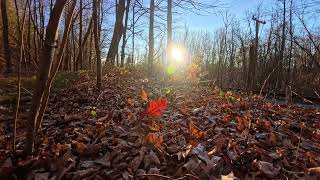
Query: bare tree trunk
(80, 53)
(47, 55)
(55, 66)
(151, 37)
(95, 17)
(83, 44)
(90, 50)
(5, 33)
(124, 37)
(113, 49)
(133, 30)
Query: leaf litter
(132, 130)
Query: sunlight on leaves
(171, 70)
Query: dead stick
(317, 94)
(297, 151)
(304, 99)
(268, 77)
(155, 175)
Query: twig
(21, 30)
(188, 175)
(301, 126)
(268, 77)
(317, 94)
(292, 172)
(304, 99)
(167, 177)
(155, 175)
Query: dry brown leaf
(195, 131)
(230, 176)
(130, 101)
(154, 127)
(80, 147)
(151, 160)
(135, 163)
(144, 95)
(154, 139)
(268, 169)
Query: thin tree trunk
(21, 30)
(124, 37)
(46, 59)
(113, 49)
(133, 30)
(80, 53)
(5, 33)
(95, 17)
(151, 36)
(83, 44)
(55, 66)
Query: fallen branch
(304, 99)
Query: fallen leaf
(314, 172)
(7, 167)
(154, 139)
(156, 106)
(154, 127)
(195, 131)
(130, 101)
(80, 147)
(135, 163)
(144, 95)
(151, 160)
(230, 176)
(268, 169)
(201, 152)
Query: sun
(176, 54)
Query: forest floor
(201, 133)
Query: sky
(238, 8)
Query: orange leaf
(144, 95)
(154, 139)
(154, 127)
(195, 131)
(80, 147)
(156, 106)
(130, 101)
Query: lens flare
(176, 54)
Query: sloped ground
(203, 134)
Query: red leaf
(156, 106)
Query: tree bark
(55, 65)
(151, 36)
(80, 53)
(5, 33)
(124, 37)
(113, 48)
(46, 58)
(83, 44)
(95, 17)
